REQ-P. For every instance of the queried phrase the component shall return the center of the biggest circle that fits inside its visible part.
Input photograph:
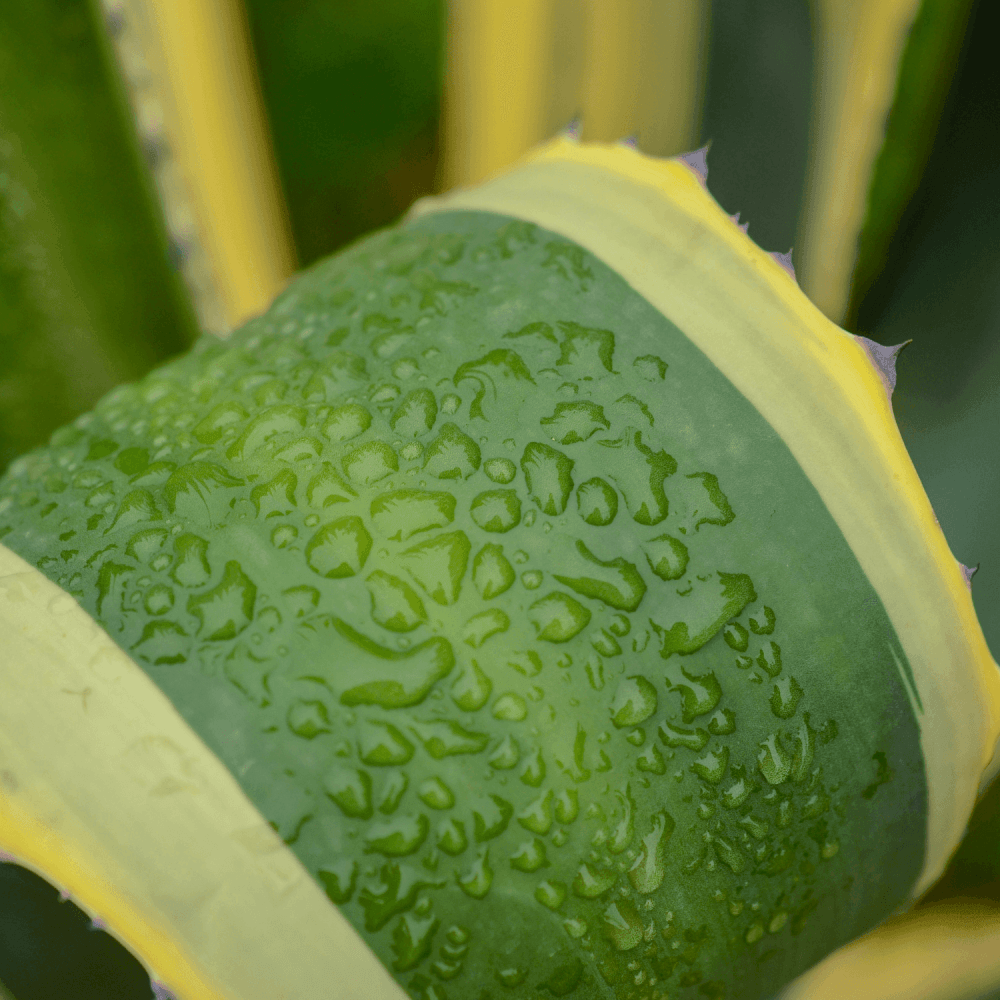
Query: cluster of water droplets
(459, 583)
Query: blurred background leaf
(274, 134)
(88, 295)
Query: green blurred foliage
(88, 298)
(756, 113)
(352, 91)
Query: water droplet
(651, 761)
(650, 367)
(283, 535)
(496, 510)
(730, 855)
(712, 766)
(472, 689)
(510, 707)
(667, 557)
(557, 617)
(403, 513)
(736, 636)
(530, 856)
(339, 549)
(500, 470)
(506, 755)
(435, 794)
(452, 454)
(774, 761)
(439, 565)
(382, 744)
(159, 599)
(634, 702)
(491, 816)
(623, 925)
(492, 574)
(575, 927)
(397, 837)
(574, 422)
(416, 413)
(339, 880)
(477, 881)
(676, 736)
(597, 502)
(395, 604)
(327, 488)
(446, 738)
(351, 790)
(551, 894)
(785, 697)
(227, 609)
(622, 834)
(536, 817)
(481, 626)
(649, 869)
(370, 463)
(451, 837)
(763, 625)
(308, 718)
(592, 881)
(533, 772)
(392, 792)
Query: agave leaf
(197, 59)
(88, 297)
(859, 49)
(938, 287)
(926, 73)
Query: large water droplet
(510, 707)
(477, 881)
(536, 817)
(530, 856)
(339, 549)
(551, 894)
(634, 702)
(496, 510)
(435, 794)
(500, 470)
(472, 689)
(451, 837)
(623, 925)
(649, 869)
(592, 881)
(397, 837)
(351, 790)
(557, 617)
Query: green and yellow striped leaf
(539, 597)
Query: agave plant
(807, 830)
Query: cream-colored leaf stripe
(192, 79)
(860, 44)
(107, 793)
(520, 70)
(949, 951)
(655, 224)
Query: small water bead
(450, 403)
(435, 794)
(532, 579)
(283, 535)
(575, 927)
(477, 881)
(311, 520)
(500, 470)
(159, 599)
(551, 894)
